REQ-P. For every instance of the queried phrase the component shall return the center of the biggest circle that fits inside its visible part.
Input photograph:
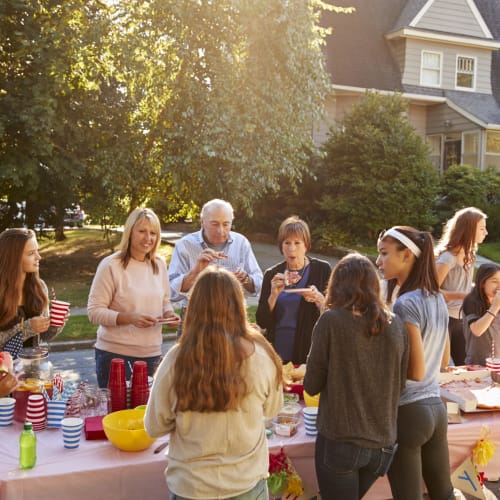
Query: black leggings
(457, 341)
(422, 452)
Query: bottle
(27, 447)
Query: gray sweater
(360, 378)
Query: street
(78, 365)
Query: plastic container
(285, 426)
(291, 410)
(35, 370)
(27, 447)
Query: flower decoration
(483, 452)
(283, 479)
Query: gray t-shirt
(457, 280)
(359, 376)
(482, 347)
(429, 314)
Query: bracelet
(489, 312)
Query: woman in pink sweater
(130, 298)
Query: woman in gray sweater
(358, 361)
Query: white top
(215, 454)
(134, 289)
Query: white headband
(394, 233)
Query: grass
(490, 251)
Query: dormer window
(465, 73)
(430, 71)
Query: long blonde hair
(12, 285)
(136, 216)
(208, 374)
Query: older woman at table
(292, 293)
(212, 392)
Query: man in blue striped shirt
(216, 244)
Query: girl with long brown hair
(456, 256)
(212, 392)
(358, 362)
(24, 302)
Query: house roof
(359, 55)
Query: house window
(493, 142)
(470, 144)
(430, 73)
(465, 72)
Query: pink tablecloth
(98, 470)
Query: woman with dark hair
(212, 392)
(358, 361)
(406, 260)
(130, 298)
(481, 319)
(24, 304)
(292, 293)
(456, 255)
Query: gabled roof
(359, 56)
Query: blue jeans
(422, 453)
(103, 364)
(346, 471)
(258, 492)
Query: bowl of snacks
(125, 429)
(285, 426)
(293, 376)
(291, 410)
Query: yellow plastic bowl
(125, 430)
(311, 400)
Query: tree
(376, 173)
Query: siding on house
(451, 16)
(440, 114)
(449, 53)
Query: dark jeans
(103, 364)
(422, 453)
(457, 341)
(346, 471)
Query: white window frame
(423, 69)
(474, 73)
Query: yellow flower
(294, 486)
(484, 450)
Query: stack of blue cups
(310, 417)
(7, 406)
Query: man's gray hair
(215, 204)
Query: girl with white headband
(406, 260)
(456, 256)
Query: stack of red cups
(139, 392)
(117, 385)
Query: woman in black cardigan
(292, 297)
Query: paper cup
(310, 417)
(55, 413)
(58, 312)
(7, 406)
(72, 430)
(36, 411)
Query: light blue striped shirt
(187, 250)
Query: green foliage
(465, 186)
(120, 104)
(376, 172)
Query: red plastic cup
(117, 385)
(58, 311)
(139, 392)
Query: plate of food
(168, 321)
(293, 376)
(296, 290)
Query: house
(443, 56)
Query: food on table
(285, 426)
(291, 410)
(6, 362)
(294, 374)
(472, 394)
